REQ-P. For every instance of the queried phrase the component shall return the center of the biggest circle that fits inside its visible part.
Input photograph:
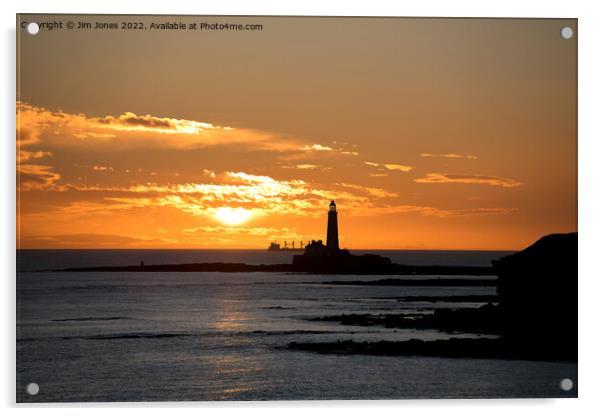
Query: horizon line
(258, 249)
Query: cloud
(32, 121)
(305, 166)
(39, 126)
(449, 155)
(258, 194)
(24, 155)
(36, 177)
(255, 231)
(91, 135)
(482, 211)
(209, 173)
(324, 148)
(390, 166)
(261, 195)
(377, 192)
(429, 211)
(102, 168)
(317, 148)
(393, 166)
(132, 122)
(469, 179)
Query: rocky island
(317, 258)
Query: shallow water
(214, 336)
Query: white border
(590, 201)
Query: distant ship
(278, 247)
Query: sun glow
(232, 216)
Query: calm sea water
(220, 336)
(28, 260)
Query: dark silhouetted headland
(536, 317)
(538, 294)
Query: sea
(97, 337)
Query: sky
(428, 133)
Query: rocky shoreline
(535, 316)
(483, 320)
(482, 348)
(416, 282)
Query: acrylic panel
(295, 208)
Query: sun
(232, 216)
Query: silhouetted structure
(538, 295)
(329, 258)
(332, 233)
(277, 247)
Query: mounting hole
(566, 32)
(32, 389)
(33, 28)
(566, 384)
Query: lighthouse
(332, 234)
(329, 258)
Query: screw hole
(566, 32)
(32, 389)
(33, 28)
(566, 384)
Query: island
(317, 258)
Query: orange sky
(429, 134)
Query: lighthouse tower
(332, 234)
